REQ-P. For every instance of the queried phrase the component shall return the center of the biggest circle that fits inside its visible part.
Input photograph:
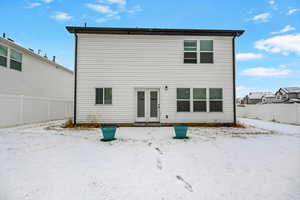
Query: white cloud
(61, 16)
(266, 72)
(102, 9)
(121, 3)
(292, 11)
(135, 9)
(34, 4)
(272, 4)
(287, 28)
(263, 17)
(47, 1)
(284, 44)
(107, 18)
(248, 56)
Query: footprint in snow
(158, 164)
(158, 150)
(187, 185)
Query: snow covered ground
(146, 163)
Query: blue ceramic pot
(108, 132)
(180, 131)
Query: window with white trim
(215, 100)
(183, 99)
(206, 51)
(199, 99)
(103, 95)
(190, 51)
(15, 60)
(3, 56)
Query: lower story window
(216, 100)
(183, 99)
(199, 106)
(199, 99)
(103, 95)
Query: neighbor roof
(154, 31)
(291, 89)
(29, 52)
(257, 95)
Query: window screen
(190, 51)
(103, 95)
(206, 51)
(15, 60)
(216, 100)
(3, 56)
(199, 99)
(183, 99)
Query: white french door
(147, 105)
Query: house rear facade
(128, 75)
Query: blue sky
(268, 54)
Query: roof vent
(53, 59)
(3, 35)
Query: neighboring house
(288, 95)
(268, 98)
(128, 75)
(239, 101)
(255, 97)
(27, 78)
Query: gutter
(233, 79)
(75, 80)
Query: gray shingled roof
(291, 89)
(257, 95)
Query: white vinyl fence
(285, 113)
(19, 109)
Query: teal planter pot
(180, 131)
(108, 133)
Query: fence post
(21, 109)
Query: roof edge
(27, 51)
(153, 31)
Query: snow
(286, 129)
(147, 163)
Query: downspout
(75, 80)
(233, 81)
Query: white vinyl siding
(127, 62)
(38, 78)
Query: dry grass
(69, 124)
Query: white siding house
(128, 75)
(32, 88)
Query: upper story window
(3, 56)
(103, 95)
(15, 60)
(190, 51)
(206, 51)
